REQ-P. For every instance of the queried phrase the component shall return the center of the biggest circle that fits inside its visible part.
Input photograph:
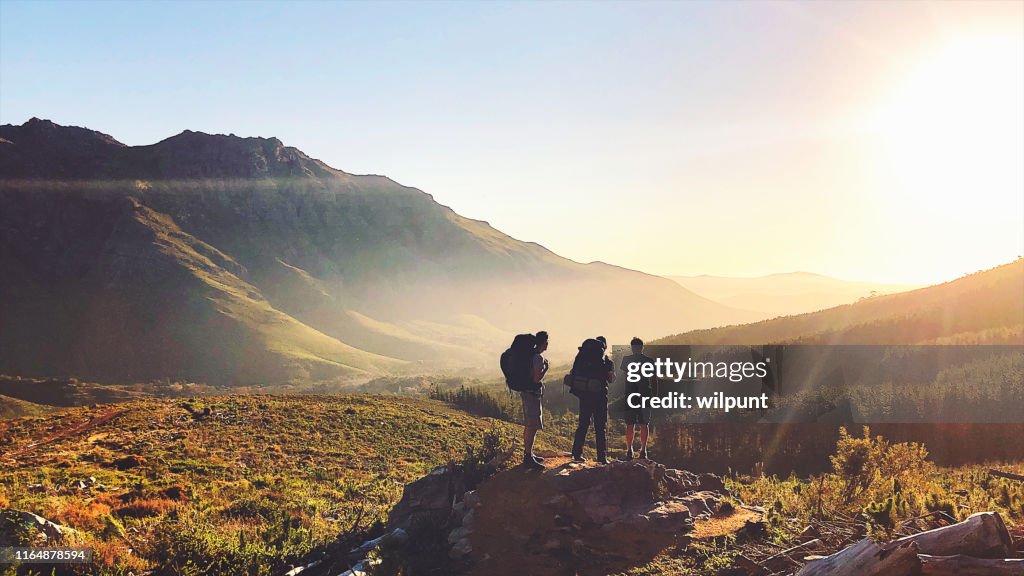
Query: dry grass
(235, 484)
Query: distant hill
(65, 393)
(241, 261)
(787, 293)
(14, 408)
(986, 307)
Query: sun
(953, 125)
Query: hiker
(524, 367)
(533, 412)
(647, 387)
(591, 373)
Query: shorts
(637, 415)
(533, 413)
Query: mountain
(787, 293)
(241, 261)
(986, 307)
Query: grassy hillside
(986, 307)
(239, 482)
(14, 408)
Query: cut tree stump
(967, 566)
(867, 558)
(982, 535)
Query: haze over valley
(236, 261)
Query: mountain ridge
(785, 293)
(985, 307)
(368, 269)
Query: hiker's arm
(539, 370)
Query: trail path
(63, 434)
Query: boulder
(18, 527)
(639, 493)
(460, 549)
(433, 494)
(586, 519)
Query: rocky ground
(570, 518)
(584, 518)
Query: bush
(494, 446)
(873, 469)
(145, 507)
(192, 546)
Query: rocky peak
(37, 128)
(43, 149)
(192, 154)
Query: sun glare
(955, 124)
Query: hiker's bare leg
(529, 435)
(644, 432)
(630, 434)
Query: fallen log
(967, 566)
(867, 558)
(982, 535)
(1007, 475)
(786, 553)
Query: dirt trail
(68, 433)
(723, 525)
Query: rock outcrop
(571, 518)
(20, 528)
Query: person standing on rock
(646, 387)
(591, 373)
(533, 411)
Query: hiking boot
(578, 459)
(531, 464)
(629, 455)
(602, 459)
(537, 458)
(643, 454)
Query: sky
(875, 141)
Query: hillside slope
(239, 484)
(785, 294)
(240, 260)
(986, 307)
(15, 408)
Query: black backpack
(517, 363)
(589, 360)
(589, 369)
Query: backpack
(517, 363)
(588, 369)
